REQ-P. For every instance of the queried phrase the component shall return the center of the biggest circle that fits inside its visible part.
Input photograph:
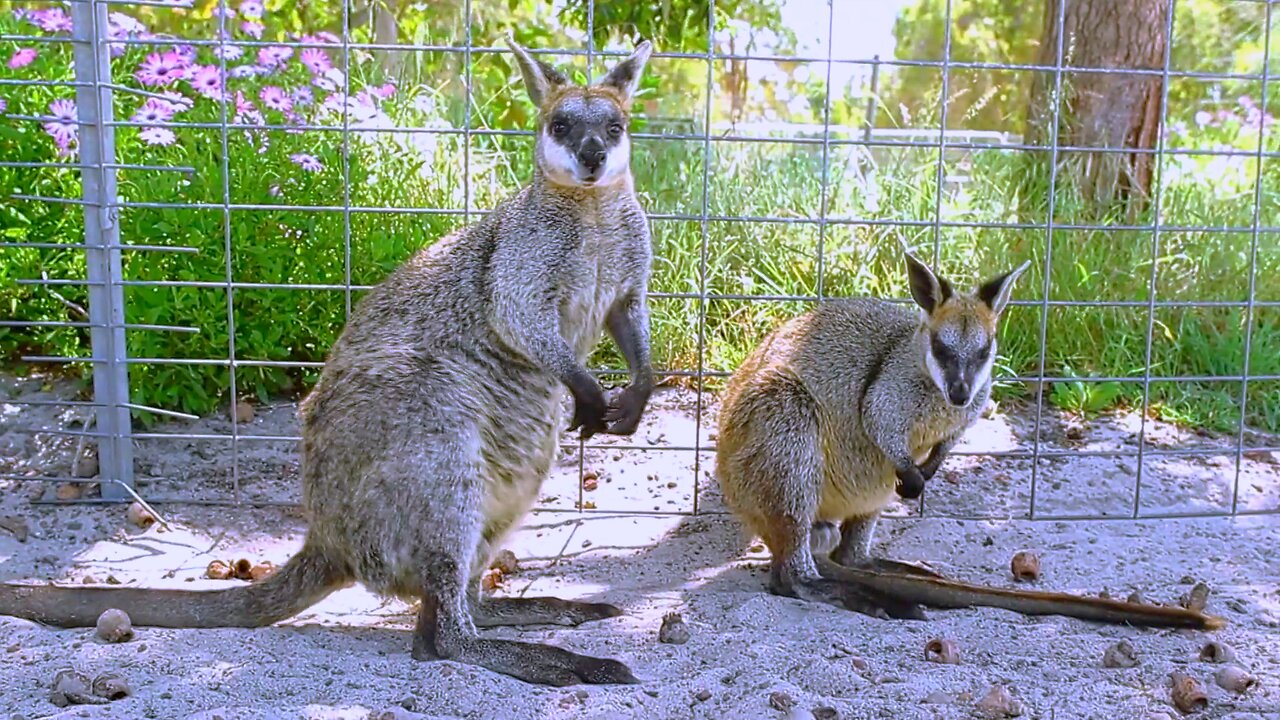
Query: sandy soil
(751, 655)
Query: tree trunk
(1103, 110)
(386, 31)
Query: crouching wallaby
(837, 409)
(436, 417)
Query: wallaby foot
(854, 547)
(850, 596)
(499, 612)
(446, 633)
(893, 566)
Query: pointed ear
(625, 76)
(540, 79)
(928, 290)
(997, 291)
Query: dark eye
(615, 130)
(559, 128)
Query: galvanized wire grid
(103, 245)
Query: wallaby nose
(592, 155)
(958, 393)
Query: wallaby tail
(301, 582)
(942, 593)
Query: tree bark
(1103, 110)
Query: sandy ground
(751, 655)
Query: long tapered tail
(300, 583)
(943, 593)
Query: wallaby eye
(559, 128)
(615, 130)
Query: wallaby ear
(928, 290)
(997, 291)
(540, 79)
(625, 76)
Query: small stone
(218, 570)
(1235, 679)
(825, 712)
(756, 547)
(89, 580)
(243, 412)
(73, 688)
(1187, 693)
(590, 481)
(1120, 655)
(858, 664)
(941, 650)
(113, 580)
(781, 701)
(999, 703)
(69, 491)
(139, 515)
(240, 569)
(491, 579)
(1196, 598)
(86, 466)
(1136, 598)
(1217, 652)
(586, 543)
(673, 631)
(506, 561)
(112, 686)
(702, 695)
(261, 571)
(17, 526)
(114, 626)
(1025, 566)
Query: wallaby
(436, 417)
(841, 406)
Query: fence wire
(98, 87)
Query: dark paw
(910, 482)
(604, 671)
(626, 409)
(576, 613)
(589, 407)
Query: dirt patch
(751, 655)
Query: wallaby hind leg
(445, 630)
(505, 611)
(782, 464)
(854, 549)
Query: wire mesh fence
(237, 192)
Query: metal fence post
(102, 248)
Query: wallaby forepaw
(581, 612)
(604, 671)
(910, 483)
(625, 410)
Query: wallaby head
(958, 330)
(582, 136)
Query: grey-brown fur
(836, 409)
(437, 414)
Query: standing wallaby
(436, 417)
(839, 407)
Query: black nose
(592, 156)
(958, 393)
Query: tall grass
(787, 251)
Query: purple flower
(4, 104)
(206, 80)
(385, 91)
(252, 29)
(303, 96)
(51, 20)
(330, 81)
(251, 9)
(121, 25)
(22, 58)
(308, 163)
(244, 71)
(274, 55)
(161, 69)
(217, 12)
(63, 129)
(1203, 117)
(228, 52)
(180, 102)
(157, 136)
(153, 111)
(328, 37)
(243, 104)
(275, 98)
(315, 60)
